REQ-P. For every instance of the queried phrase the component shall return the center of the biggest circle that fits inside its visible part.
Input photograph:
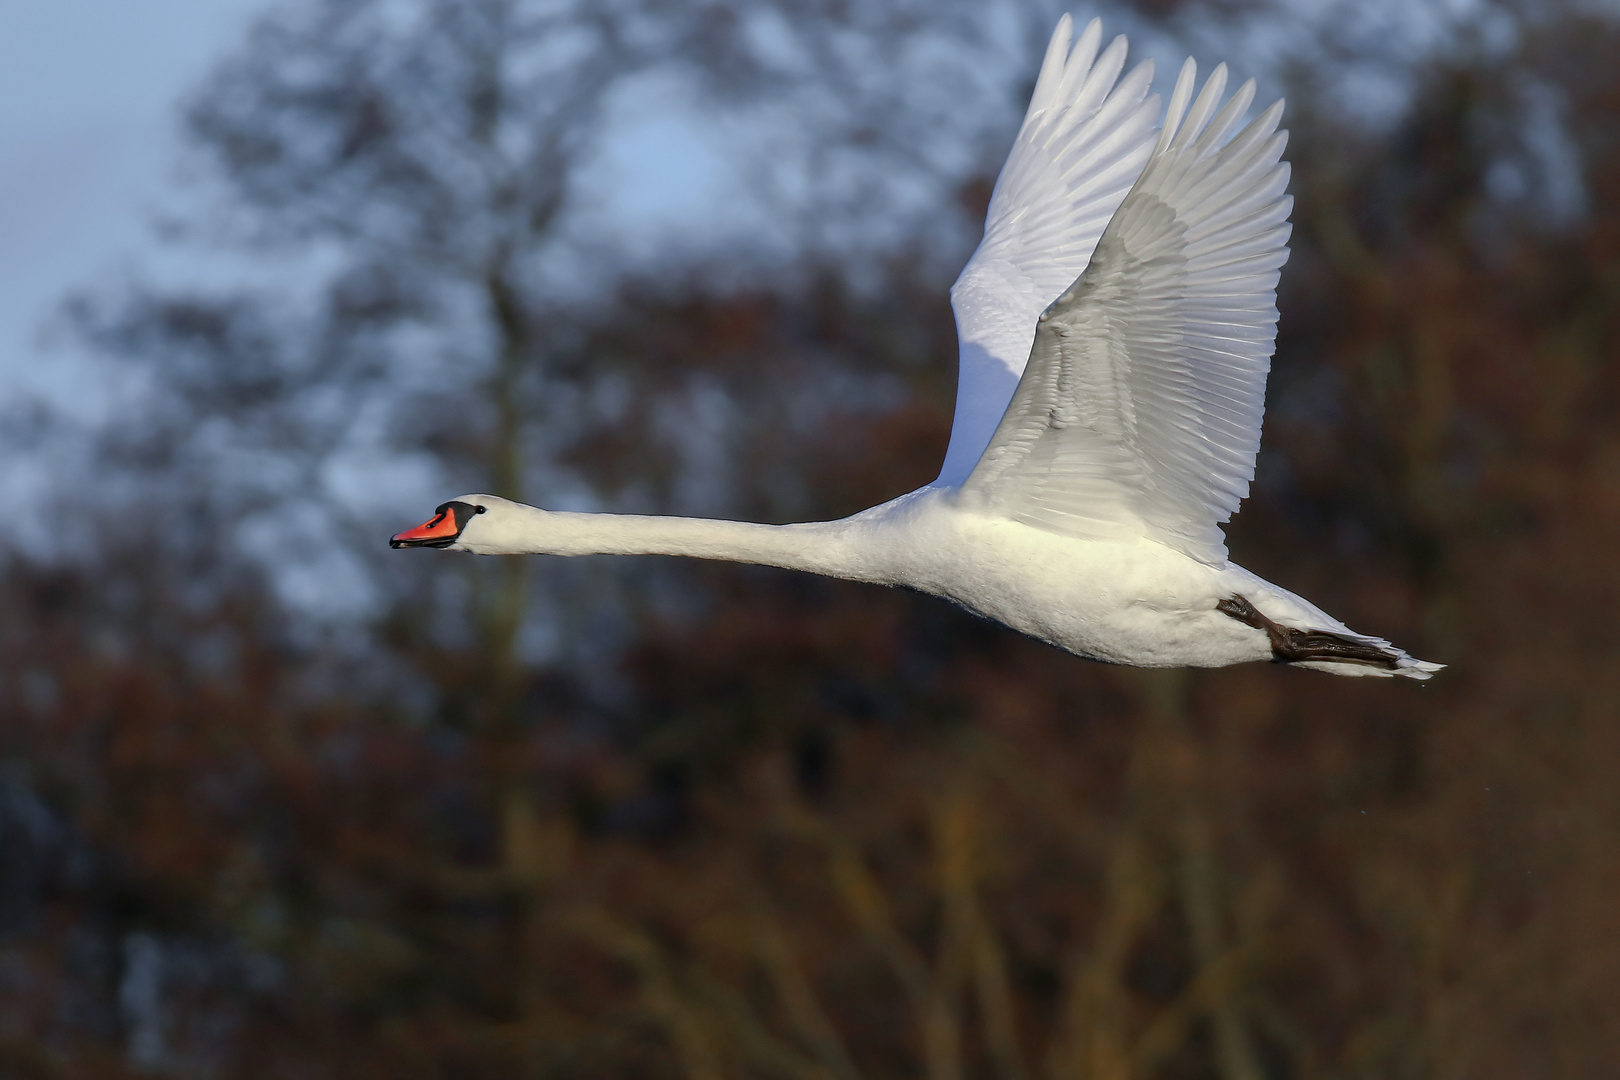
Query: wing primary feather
(1212, 138)
(1270, 214)
(1057, 51)
(1231, 171)
(1236, 250)
(1179, 97)
(1243, 166)
(1101, 74)
(1202, 109)
(1085, 50)
(1260, 188)
(1127, 97)
(1079, 64)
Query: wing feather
(1139, 411)
(1084, 141)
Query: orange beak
(440, 532)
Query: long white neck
(846, 549)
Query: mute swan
(1135, 266)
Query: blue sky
(88, 90)
(90, 155)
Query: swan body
(1116, 326)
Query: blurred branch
(684, 1023)
(798, 997)
(1092, 1040)
(968, 939)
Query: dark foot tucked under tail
(1289, 645)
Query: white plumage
(1082, 145)
(1116, 325)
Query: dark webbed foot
(1289, 645)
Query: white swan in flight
(1116, 324)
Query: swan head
(455, 525)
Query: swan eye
(481, 509)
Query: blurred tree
(427, 169)
(427, 173)
(810, 829)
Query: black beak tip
(423, 542)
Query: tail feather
(1402, 664)
(1338, 650)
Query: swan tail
(1333, 651)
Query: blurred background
(277, 802)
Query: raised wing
(1139, 412)
(1083, 143)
